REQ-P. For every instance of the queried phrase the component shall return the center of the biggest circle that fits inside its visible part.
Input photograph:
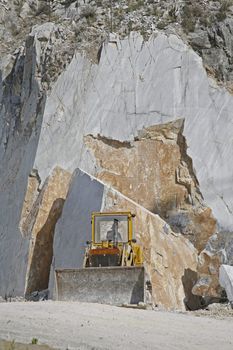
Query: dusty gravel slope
(93, 326)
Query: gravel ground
(12, 345)
(93, 326)
(217, 311)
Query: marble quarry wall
(146, 120)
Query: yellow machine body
(121, 249)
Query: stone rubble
(216, 310)
(39, 295)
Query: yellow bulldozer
(112, 270)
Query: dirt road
(92, 326)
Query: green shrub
(88, 11)
(188, 20)
(161, 25)
(135, 5)
(12, 345)
(222, 14)
(34, 341)
(191, 13)
(172, 14)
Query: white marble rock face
(226, 280)
(136, 84)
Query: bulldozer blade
(104, 285)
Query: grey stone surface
(74, 227)
(219, 57)
(215, 45)
(199, 39)
(226, 280)
(21, 111)
(218, 251)
(221, 245)
(6, 65)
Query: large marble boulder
(226, 280)
(218, 251)
(170, 260)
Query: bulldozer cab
(112, 241)
(114, 228)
